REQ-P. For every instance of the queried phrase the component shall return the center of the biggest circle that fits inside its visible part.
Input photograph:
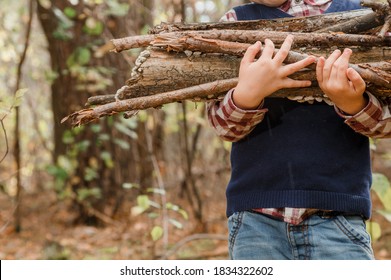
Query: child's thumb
(357, 81)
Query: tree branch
(306, 24)
(17, 155)
(210, 90)
(190, 238)
(251, 36)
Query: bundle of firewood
(200, 62)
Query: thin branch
(355, 25)
(17, 122)
(386, 26)
(160, 183)
(205, 90)
(191, 238)
(6, 141)
(101, 216)
(36, 126)
(6, 224)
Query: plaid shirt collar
(291, 3)
(302, 4)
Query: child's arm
(364, 113)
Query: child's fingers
(342, 64)
(294, 67)
(284, 50)
(290, 83)
(319, 69)
(251, 53)
(328, 65)
(357, 81)
(268, 50)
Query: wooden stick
(251, 36)
(304, 24)
(208, 90)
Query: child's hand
(259, 79)
(343, 85)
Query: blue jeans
(259, 237)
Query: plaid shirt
(232, 123)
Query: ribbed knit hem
(300, 199)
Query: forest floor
(48, 232)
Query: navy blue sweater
(301, 155)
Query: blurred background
(148, 187)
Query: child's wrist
(354, 108)
(246, 101)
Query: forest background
(148, 187)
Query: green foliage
(382, 188)
(374, 229)
(157, 233)
(65, 170)
(8, 103)
(70, 12)
(86, 193)
(90, 78)
(64, 24)
(80, 57)
(93, 26)
(117, 9)
(145, 205)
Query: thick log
(382, 78)
(164, 71)
(191, 68)
(304, 24)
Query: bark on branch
(251, 36)
(209, 90)
(304, 24)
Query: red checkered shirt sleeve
(229, 16)
(373, 121)
(230, 122)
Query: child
(301, 173)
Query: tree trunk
(94, 170)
